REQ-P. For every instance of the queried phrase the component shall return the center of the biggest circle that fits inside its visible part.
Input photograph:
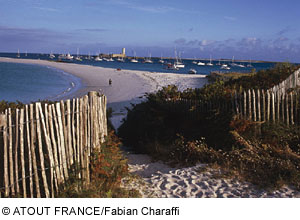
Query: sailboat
(109, 59)
(134, 60)
(26, 53)
(178, 63)
(18, 54)
(78, 57)
(210, 63)
(69, 56)
(51, 55)
(192, 71)
(249, 64)
(148, 60)
(232, 62)
(120, 59)
(161, 59)
(225, 67)
(200, 63)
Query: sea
(28, 82)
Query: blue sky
(256, 29)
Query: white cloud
(151, 9)
(229, 18)
(206, 42)
(47, 9)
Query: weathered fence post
(278, 106)
(287, 109)
(258, 105)
(42, 160)
(254, 105)
(292, 109)
(29, 151)
(69, 132)
(59, 151)
(64, 132)
(16, 152)
(282, 108)
(264, 104)
(62, 141)
(273, 107)
(55, 151)
(5, 152)
(11, 164)
(268, 106)
(245, 104)
(22, 152)
(49, 147)
(32, 147)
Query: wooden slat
(88, 125)
(29, 151)
(268, 106)
(74, 130)
(278, 107)
(283, 108)
(245, 104)
(48, 144)
(16, 152)
(41, 153)
(69, 130)
(254, 105)
(86, 144)
(287, 109)
(5, 152)
(33, 153)
(292, 108)
(55, 150)
(78, 135)
(258, 105)
(65, 133)
(250, 104)
(273, 107)
(264, 104)
(62, 141)
(10, 151)
(22, 153)
(59, 151)
(81, 150)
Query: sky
(257, 29)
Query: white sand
(127, 85)
(156, 179)
(162, 181)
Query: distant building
(123, 54)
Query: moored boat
(192, 71)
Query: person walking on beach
(110, 82)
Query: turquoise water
(28, 83)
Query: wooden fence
(292, 82)
(42, 143)
(255, 105)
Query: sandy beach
(127, 85)
(156, 179)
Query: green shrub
(107, 168)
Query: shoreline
(128, 86)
